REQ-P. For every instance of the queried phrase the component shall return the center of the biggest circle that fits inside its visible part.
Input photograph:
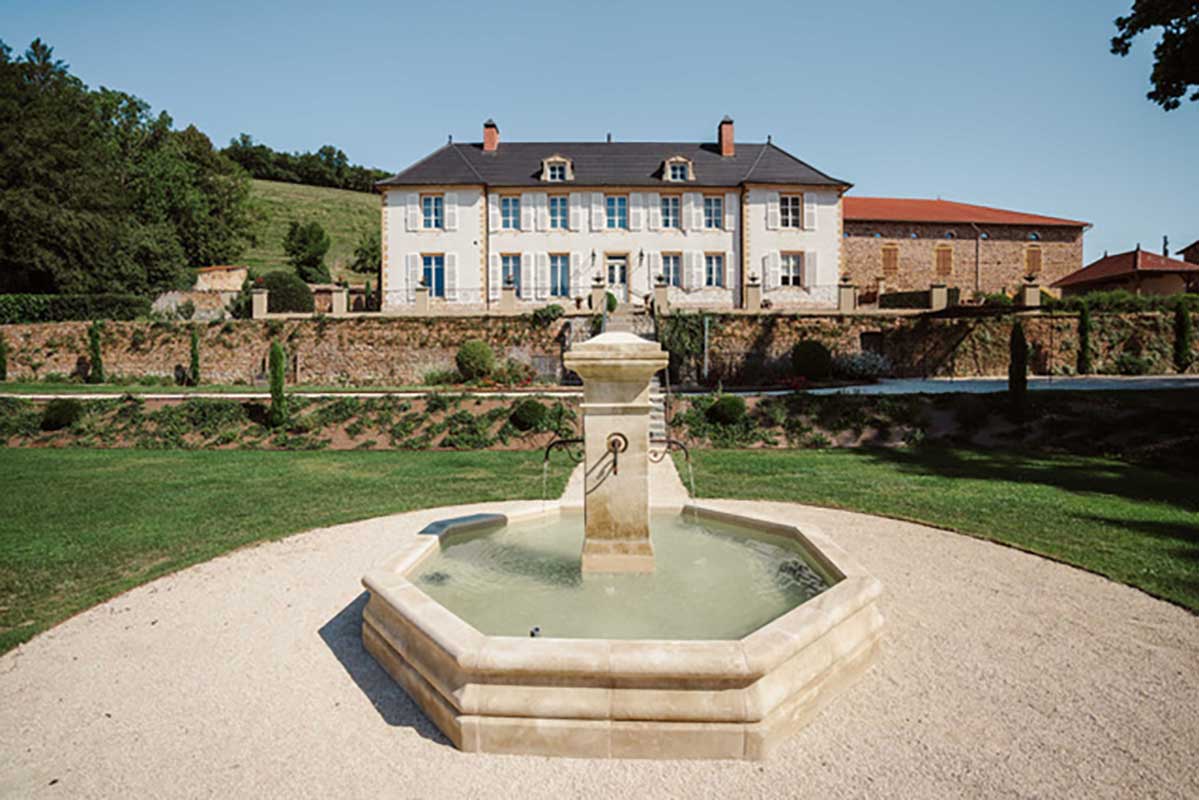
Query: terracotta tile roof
(1123, 265)
(898, 209)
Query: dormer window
(677, 170)
(556, 169)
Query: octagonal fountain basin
(745, 629)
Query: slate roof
(610, 164)
(1124, 265)
(898, 209)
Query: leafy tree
(328, 166)
(368, 254)
(99, 195)
(1084, 340)
(1176, 55)
(286, 293)
(1017, 371)
(193, 372)
(95, 372)
(278, 367)
(1182, 338)
(306, 245)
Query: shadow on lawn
(343, 636)
(1070, 473)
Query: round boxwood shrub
(729, 409)
(287, 294)
(612, 302)
(812, 360)
(528, 415)
(475, 360)
(61, 413)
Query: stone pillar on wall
(258, 304)
(753, 295)
(341, 297)
(938, 296)
(599, 296)
(661, 298)
(508, 300)
(1030, 295)
(847, 298)
(421, 300)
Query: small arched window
(1034, 237)
(950, 235)
(915, 235)
(984, 235)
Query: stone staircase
(657, 414)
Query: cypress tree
(1084, 341)
(193, 373)
(366, 299)
(3, 358)
(1182, 337)
(278, 414)
(95, 373)
(1017, 372)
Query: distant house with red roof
(1190, 252)
(906, 244)
(1137, 271)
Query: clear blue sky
(1015, 104)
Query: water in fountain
(712, 581)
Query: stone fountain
(697, 631)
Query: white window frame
(432, 212)
(714, 270)
(713, 212)
(791, 211)
(674, 277)
(560, 274)
(429, 263)
(555, 172)
(791, 269)
(510, 212)
(673, 219)
(678, 171)
(616, 212)
(510, 267)
(559, 203)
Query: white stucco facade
(473, 243)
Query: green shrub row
(22, 308)
(921, 299)
(1121, 300)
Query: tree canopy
(306, 245)
(368, 254)
(97, 194)
(1176, 55)
(328, 166)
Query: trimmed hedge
(528, 415)
(287, 294)
(475, 359)
(60, 413)
(921, 299)
(21, 308)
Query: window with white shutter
(541, 283)
(412, 209)
(495, 279)
(528, 211)
(541, 203)
(451, 211)
(636, 211)
(451, 276)
(413, 273)
(653, 211)
(526, 276)
(576, 274)
(577, 204)
(771, 270)
(811, 265)
(773, 219)
(493, 212)
(730, 211)
(597, 211)
(730, 268)
(697, 212)
(809, 212)
(791, 211)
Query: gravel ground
(1002, 675)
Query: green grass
(1131, 524)
(345, 216)
(80, 526)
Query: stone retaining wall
(743, 348)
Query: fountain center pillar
(616, 369)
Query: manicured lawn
(79, 526)
(1135, 525)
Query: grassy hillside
(345, 216)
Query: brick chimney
(725, 136)
(491, 136)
